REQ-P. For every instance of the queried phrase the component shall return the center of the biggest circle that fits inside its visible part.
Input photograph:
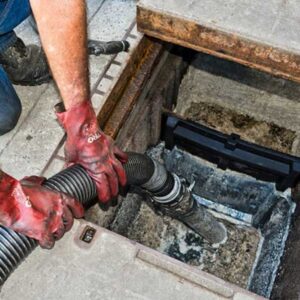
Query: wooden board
(260, 34)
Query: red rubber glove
(88, 146)
(35, 211)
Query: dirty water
(232, 261)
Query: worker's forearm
(62, 28)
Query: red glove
(35, 211)
(88, 146)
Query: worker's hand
(35, 211)
(88, 146)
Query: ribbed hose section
(15, 247)
(139, 169)
(76, 182)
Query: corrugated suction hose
(163, 187)
(15, 247)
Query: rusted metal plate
(278, 55)
(143, 126)
(123, 81)
(130, 86)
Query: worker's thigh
(10, 105)
(12, 13)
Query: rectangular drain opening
(234, 100)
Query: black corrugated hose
(163, 188)
(15, 247)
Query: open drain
(246, 107)
(256, 215)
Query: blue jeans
(12, 13)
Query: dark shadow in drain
(251, 77)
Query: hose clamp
(173, 194)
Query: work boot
(25, 65)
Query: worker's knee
(9, 116)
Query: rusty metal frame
(190, 34)
(129, 85)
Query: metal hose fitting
(172, 197)
(180, 204)
(196, 217)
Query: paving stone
(260, 34)
(209, 282)
(114, 70)
(27, 33)
(92, 8)
(98, 101)
(34, 143)
(29, 97)
(54, 167)
(122, 58)
(113, 21)
(61, 151)
(135, 31)
(104, 85)
(132, 41)
(97, 63)
(242, 296)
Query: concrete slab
(261, 34)
(111, 267)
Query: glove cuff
(80, 122)
(77, 114)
